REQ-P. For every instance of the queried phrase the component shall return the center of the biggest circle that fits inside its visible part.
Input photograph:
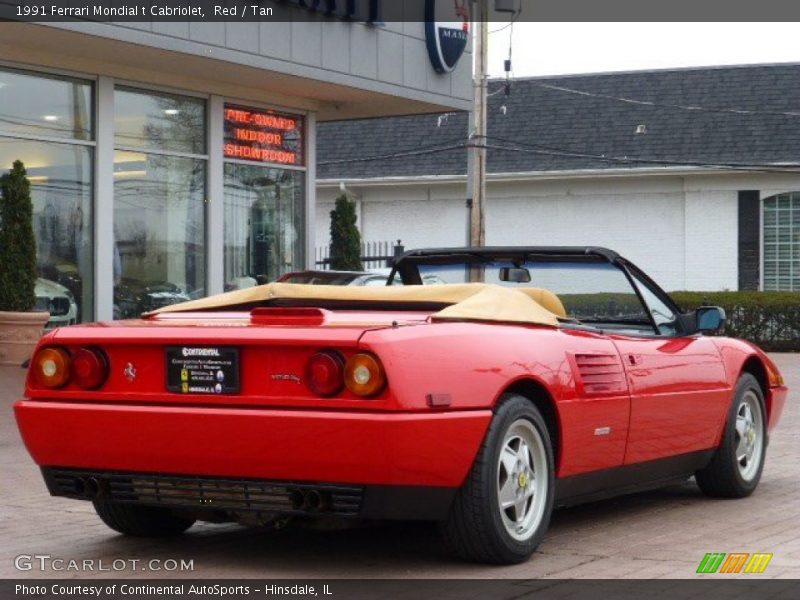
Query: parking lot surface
(660, 534)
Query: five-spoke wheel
(520, 492)
(735, 469)
(749, 435)
(503, 509)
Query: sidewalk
(657, 534)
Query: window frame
(773, 283)
(407, 267)
(219, 160)
(639, 278)
(206, 158)
(92, 144)
(57, 74)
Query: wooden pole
(477, 235)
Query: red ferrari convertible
(566, 375)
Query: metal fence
(374, 255)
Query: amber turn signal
(364, 374)
(51, 367)
(774, 377)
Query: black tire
(142, 521)
(475, 529)
(722, 477)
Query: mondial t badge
(286, 377)
(130, 372)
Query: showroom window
(265, 195)
(782, 242)
(46, 121)
(160, 165)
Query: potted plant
(20, 326)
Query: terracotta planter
(19, 333)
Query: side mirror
(515, 275)
(709, 319)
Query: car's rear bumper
(240, 497)
(396, 457)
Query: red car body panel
(312, 445)
(617, 400)
(668, 380)
(738, 353)
(445, 359)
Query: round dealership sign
(447, 32)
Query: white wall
(681, 229)
(417, 215)
(711, 240)
(647, 229)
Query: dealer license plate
(202, 370)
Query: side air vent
(600, 374)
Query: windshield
(595, 292)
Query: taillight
(364, 374)
(325, 373)
(89, 368)
(51, 367)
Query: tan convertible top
(467, 301)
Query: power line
(568, 153)
(791, 168)
(417, 152)
(513, 146)
(693, 108)
(509, 24)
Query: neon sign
(263, 136)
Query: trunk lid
(266, 351)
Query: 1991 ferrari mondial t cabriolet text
(567, 376)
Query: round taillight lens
(89, 368)
(51, 367)
(325, 373)
(364, 374)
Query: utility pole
(477, 141)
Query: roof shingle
(552, 125)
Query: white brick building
(726, 219)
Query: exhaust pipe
(93, 487)
(312, 501)
(308, 500)
(298, 499)
(87, 486)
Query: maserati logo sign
(447, 32)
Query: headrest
(545, 298)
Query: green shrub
(345, 237)
(17, 242)
(769, 319)
(587, 306)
